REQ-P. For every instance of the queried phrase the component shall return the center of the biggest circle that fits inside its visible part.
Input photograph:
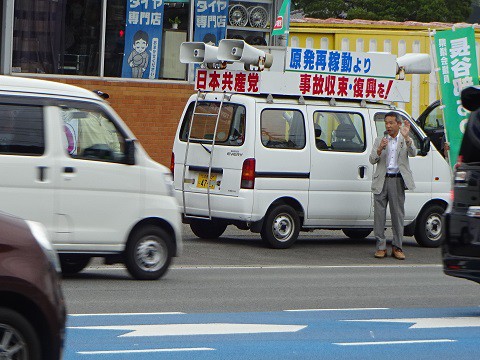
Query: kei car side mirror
(129, 151)
(424, 146)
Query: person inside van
(392, 175)
(319, 142)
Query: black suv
(461, 246)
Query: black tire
(281, 227)
(208, 229)
(73, 263)
(21, 334)
(149, 253)
(429, 226)
(357, 233)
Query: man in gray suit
(392, 175)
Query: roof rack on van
(236, 67)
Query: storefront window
(66, 36)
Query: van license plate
(202, 180)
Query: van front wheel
(208, 229)
(149, 253)
(281, 227)
(73, 263)
(430, 226)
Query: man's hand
(383, 145)
(405, 130)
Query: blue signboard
(143, 39)
(210, 20)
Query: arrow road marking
(431, 323)
(195, 329)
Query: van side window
(21, 130)
(230, 128)
(90, 134)
(380, 126)
(339, 131)
(283, 128)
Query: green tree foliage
(394, 10)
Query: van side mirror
(129, 151)
(424, 146)
(471, 98)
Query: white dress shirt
(392, 164)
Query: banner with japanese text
(341, 62)
(210, 20)
(303, 84)
(457, 67)
(143, 39)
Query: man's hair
(140, 34)
(393, 114)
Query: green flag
(283, 19)
(457, 69)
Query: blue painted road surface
(452, 333)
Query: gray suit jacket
(403, 152)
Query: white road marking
(431, 323)
(350, 309)
(195, 329)
(127, 314)
(394, 342)
(100, 352)
(233, 267)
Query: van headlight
(40, 234)
(169, 184)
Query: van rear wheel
(430, 226)
(149, 253)
(73, 263)
(281, 227)
(208, 229)
(357, 233)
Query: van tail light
(172, 164)
(248, 174)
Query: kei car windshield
(230, 128)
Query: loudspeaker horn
(198, 52)
(232, 50)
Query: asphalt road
(237, 273)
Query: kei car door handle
(68, 170)
(361, 171)
(41, 173)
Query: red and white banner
(306, 84)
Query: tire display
(72, 263)
(208, 229)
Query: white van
(278, 164)
(68, 161)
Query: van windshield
(230, 128)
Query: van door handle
(68, 170)
(361, 171)
(41, 173)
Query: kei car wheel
(208, 229)
(429, 227)
(73, 263)
(149, 253)
(357, 233)
(18, 339)
(281, 227)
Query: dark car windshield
(470, 148)
(230, 128)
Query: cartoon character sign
(138, 58)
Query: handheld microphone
(385, 134)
